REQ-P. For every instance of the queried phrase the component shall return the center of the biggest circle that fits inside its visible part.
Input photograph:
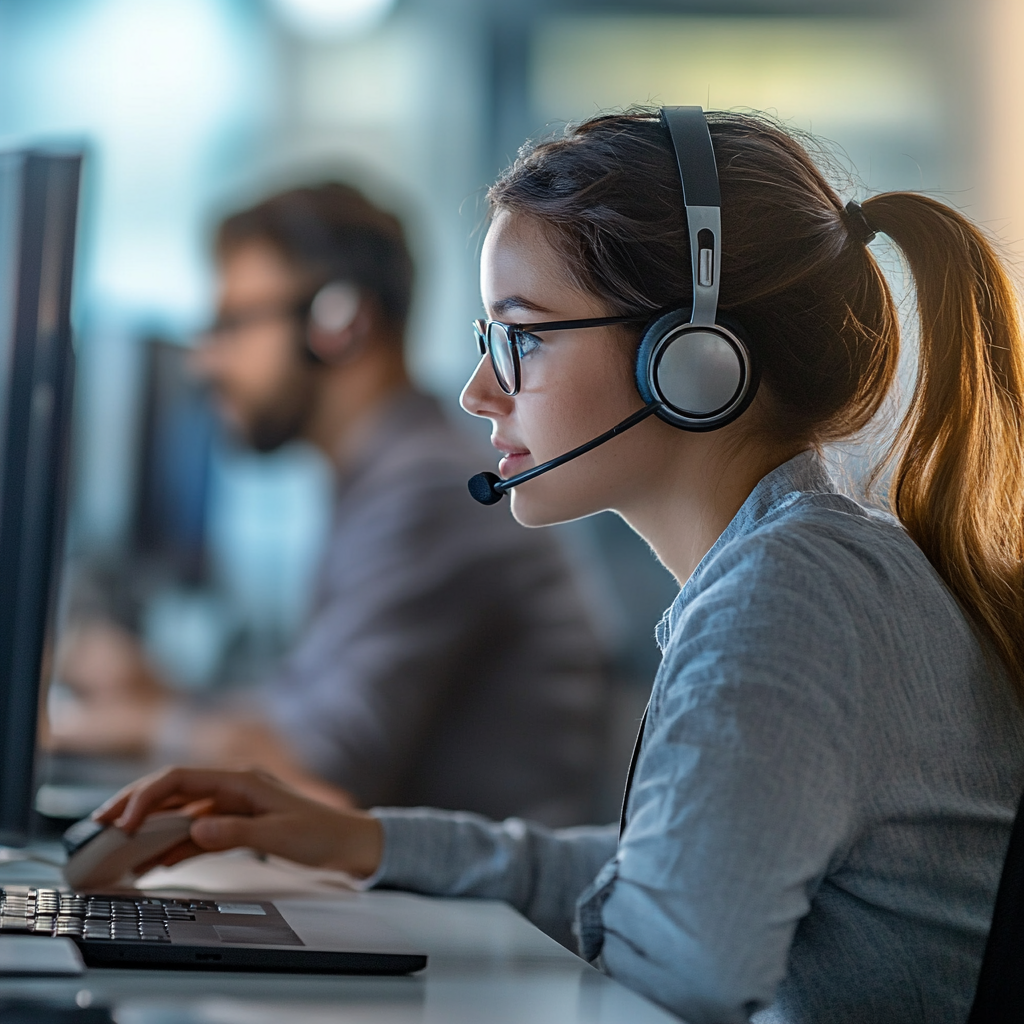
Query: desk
(488, 965)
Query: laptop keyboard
(93, 918)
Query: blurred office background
(189, 108)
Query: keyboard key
(15, 924)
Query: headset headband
(698, 172)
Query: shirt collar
(781, 487)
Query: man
(447, 659)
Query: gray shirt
(448, 658)
(822, 801)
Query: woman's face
(575, 385)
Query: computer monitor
(38, 212)
(174, 467)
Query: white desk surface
(487, 965)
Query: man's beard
(284, 419)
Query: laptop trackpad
(201, 933)
(256, 935)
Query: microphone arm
(489, 488)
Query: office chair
(999, 997)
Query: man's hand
(118, 700)
(122, 729)
(251, 809)
(102, 662)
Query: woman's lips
(512, 463)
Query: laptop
(137, 929)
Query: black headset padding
(656, 340)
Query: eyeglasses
(230, 324)
(505, 343)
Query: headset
(695, 368)
(333, 308)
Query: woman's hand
(252, 809)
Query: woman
(834, 746)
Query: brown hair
(797, 274)
(331, 232)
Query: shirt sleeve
(538, 871)
(743, 794)
(380, 651)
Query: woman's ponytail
(958, 481)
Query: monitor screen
(174, 469)
(38, 212)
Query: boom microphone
(489, 488)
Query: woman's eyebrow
(502, 306)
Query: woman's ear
(339, 320)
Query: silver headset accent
(698, 369)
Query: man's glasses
(505, 343)
(229, 325)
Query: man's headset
(694, 368)
(333, 308)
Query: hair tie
(857, 223)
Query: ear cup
(701, 377)
(697, 372)
(334, 307)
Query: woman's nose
(481, 396)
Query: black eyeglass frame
(482, 330)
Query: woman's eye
(526, 343)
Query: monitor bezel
(36, 425)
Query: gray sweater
(822, 802)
